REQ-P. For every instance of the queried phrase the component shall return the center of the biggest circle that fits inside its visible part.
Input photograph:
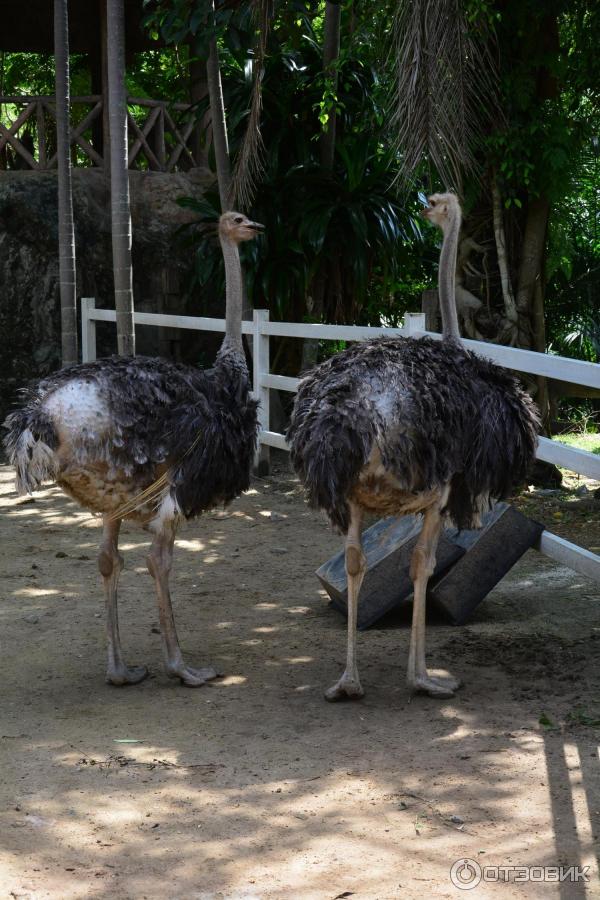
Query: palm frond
(249, 164)
(446, 87)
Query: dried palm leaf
(249, 164)
(446, 87)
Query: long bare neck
(447, 278)
(233, 295)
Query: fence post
(88, 329)
(261, 366)
(413, 324)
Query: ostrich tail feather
(329, 447)
(30, 443)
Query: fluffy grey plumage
(150, 440)
(436, 414)
(396, 426)
(149, 412)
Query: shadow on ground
(253, 786)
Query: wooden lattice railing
(159, 133)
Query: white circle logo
(465, 874)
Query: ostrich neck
(447, 279)
(233, 295)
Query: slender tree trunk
(331, 52)
(119, 181)
(104, 91)
(66, 229)
(316, 302)
(219, 126)
(539, 344)
(531, 267)
(201, 136)
(510, 306)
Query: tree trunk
(331, 52)
(201, 136)
(531, 266)
(66, 230)
(219, 126)
(510, 306)
(119, 181)
(539, 344)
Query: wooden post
(66, 229)
(413, 324)
(261, 366)
(430, 305)
(88, 329)
(158, 138)
(119, 177)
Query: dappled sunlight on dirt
(253, 786)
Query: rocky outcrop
(29, 294)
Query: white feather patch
(78, 410)
(166, 512)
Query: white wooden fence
(261, 329)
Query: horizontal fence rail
(261, 329)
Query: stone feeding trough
(468, 564)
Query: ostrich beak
(256, 226)
(426, 205)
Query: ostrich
(148, 440)
(397, 426)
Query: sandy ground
(254, 786)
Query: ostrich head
(235, 227)
(443, 210)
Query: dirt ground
(253, 786)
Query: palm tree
(66, 230)
(119, 182)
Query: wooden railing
(159, 133)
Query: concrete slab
(388, 546)
(489, 553)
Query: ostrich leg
(422, 565)
(356, 566)
(159, 565)
(110, 563)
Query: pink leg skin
(110, 563)
(349, 687)
(159, 565)
(421, 567)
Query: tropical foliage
(344, 241)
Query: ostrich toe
(121, 675)
(440, 686)
(348, 687)
(193, 677)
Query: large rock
(29, 292)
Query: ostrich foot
(436, 687)
(192, 677)
(348, 687)
(120, 675)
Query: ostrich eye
(432, 202)
(239, 220)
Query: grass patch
(589, 442)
